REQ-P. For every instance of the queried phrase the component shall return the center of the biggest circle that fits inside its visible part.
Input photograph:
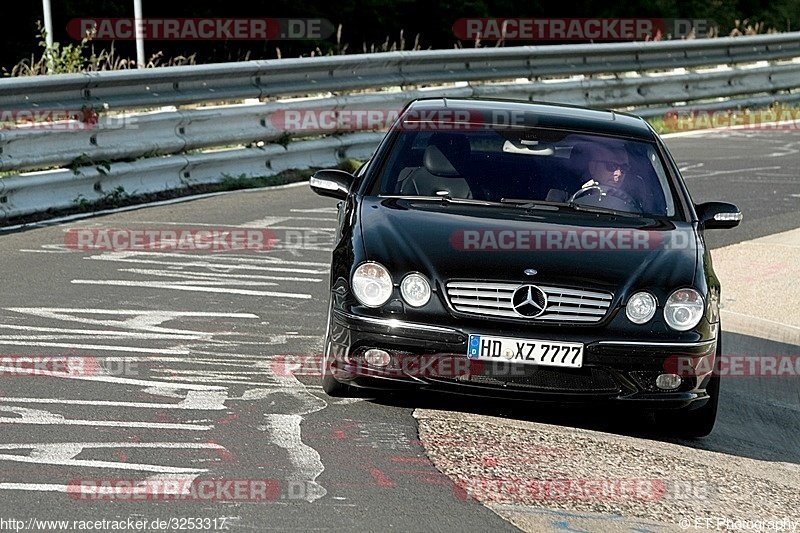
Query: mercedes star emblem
(529, 301)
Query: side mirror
(718, 215)
(333, 183)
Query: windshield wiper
(531, 205)
(527, 204)
(603, 210)
(444, 198)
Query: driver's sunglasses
(611, 166)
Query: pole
(137, 15)
(48, 34)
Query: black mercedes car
(525, 250)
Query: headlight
(416, 290)
(641, 307)
(684, 309)
(372, 284)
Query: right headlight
(683, 309)
(372, 284)
(641, 307)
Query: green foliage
(58, 58)
(110, 200)
(85, 160)
(231, 183)
(362, 26)
(284, 139)
(80, 57)
(676, 122)
(82, 204)
(116, 197)
(350, 165)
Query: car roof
(541, 115)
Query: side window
(363, 168)
(663, 197)
(404, 153)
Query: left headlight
(416, 290)
(684, 309)
(372, 284)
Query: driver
(608, 166)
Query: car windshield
(528, 167)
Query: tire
(698, 422)
(337, 389)
(330, 385)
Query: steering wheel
(607, 190)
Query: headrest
(579, 157)
(580, 152)
(445, 154)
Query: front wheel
(330, 385)
(336, 389)
(697, 422)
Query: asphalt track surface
(184, 373)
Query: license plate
(525, 351)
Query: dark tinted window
(526, 164)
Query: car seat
(443, 168)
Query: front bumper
(434, 357)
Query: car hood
(449, 241)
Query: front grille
(494, 299)
(646, 379)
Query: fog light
(668, 381)
(379, 358)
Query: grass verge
(776, 116)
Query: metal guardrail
(288, 77)
(39, 191)
(142, 147)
